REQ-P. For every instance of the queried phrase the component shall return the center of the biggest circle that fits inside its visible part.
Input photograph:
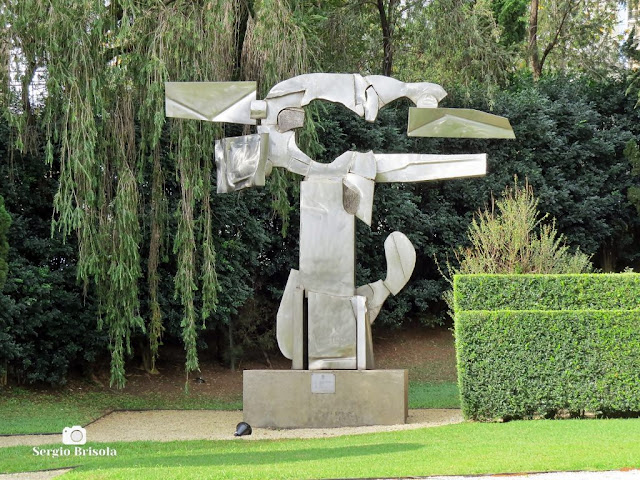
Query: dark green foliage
(47, 325)
(632, 152)
(570, 138)
(5, 223)
(540, 353)
(511, 16)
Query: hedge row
(528, 362)
(547, 292)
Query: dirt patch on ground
(427, 353)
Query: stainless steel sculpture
(324, 321)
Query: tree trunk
(536, 58)
(245, 12)
(386, 22)
(609, 258)
(4, 62)
(148, 362)
(4, 374)
(232, 353)
(534, 54)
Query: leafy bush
(511, 237)
(535, 345)
(5, 223)
(47, 325)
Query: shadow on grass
(251, 457)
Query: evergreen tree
(5, 223)
(632, 152)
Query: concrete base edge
(325, 398)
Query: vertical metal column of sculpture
(324, 321)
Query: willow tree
(99, 115)
(469, 53)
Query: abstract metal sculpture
(324, 321)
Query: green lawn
(23, 411)
(470, 448)
(434, 395)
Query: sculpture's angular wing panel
(457, 123)
(228, 102)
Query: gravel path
(41, 475)
(169, 425)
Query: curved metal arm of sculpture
(281, 111)
(363, 95)
(245, 161)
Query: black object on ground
(242, 428)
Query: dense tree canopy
(160, 257)
(5, 223)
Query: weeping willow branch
(157, 213)
(184, 247)
(276, 48)
(99, 62)
(208, 278)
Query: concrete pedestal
(324, 398)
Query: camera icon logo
(75, 435)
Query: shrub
(48, 326)
(547, 292)
(537, 344)
(511, 237)
(5, 222)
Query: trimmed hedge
(519, 361)
(547, 292)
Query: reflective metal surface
(364, 165)
(290, 118)
(212, 101)
(332, 327)
(457, 123)
(364, 344)
(401, 260)
(258, 109)
(327, 239)
(350, 197)
(345, 363)
(362, 95)
(413, 167)
(337, 317)
(241, 162)
(289, 317)
(364, 187)
(375, 293)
